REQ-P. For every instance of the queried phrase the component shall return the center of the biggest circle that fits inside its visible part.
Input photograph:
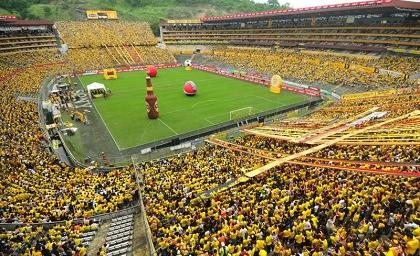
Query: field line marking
(168, 126)
(209, 121)
(201, 102)
(271, 101)
(100, 116)
(145, 130)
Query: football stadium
(264, 130)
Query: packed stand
(198, 171)
(394, 105)
(35, 185)
(391, 158)
(318, 68)
(60, 239)
(288, 211)
(79, 34)
(104, 44)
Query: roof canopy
(23, 23)
(95, 86)
(355, 6)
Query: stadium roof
(332, 8)
(25, 23)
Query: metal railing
(99, 217)
(149, 236)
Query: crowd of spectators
(197, 171)
(155, 55)
(90, 58)
(361, 156)
(291, 210)
(35, 186)
(78, 34)
(320, 68)
(102, 44)
(379, 153)
(60, 239)
(394, 105)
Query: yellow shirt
(287, 233)
(412, 246)
(36, 253)
(83, 251)
(269, 240)
(260, 244)
(325, 244)
(299, 238)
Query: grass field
(124, 112)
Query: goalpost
(240, 113)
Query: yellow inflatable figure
(110, 74)
(276, 83)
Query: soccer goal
(240, 113)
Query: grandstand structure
(18, 36)
(119, 43)
(342, 179)
(369, 26)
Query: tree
(273, 4)
(47, 11)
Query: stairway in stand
(120, 235)
(135, 56)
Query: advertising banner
(369, 70)
(101, 14)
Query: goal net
(240, 113)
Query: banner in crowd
(392, 73)
(369, 70)
(100, 14)
(340, 65)
(369, 94)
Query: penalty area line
(168, 126)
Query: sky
(306, 3)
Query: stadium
(291, 131)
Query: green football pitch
(125, 116)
